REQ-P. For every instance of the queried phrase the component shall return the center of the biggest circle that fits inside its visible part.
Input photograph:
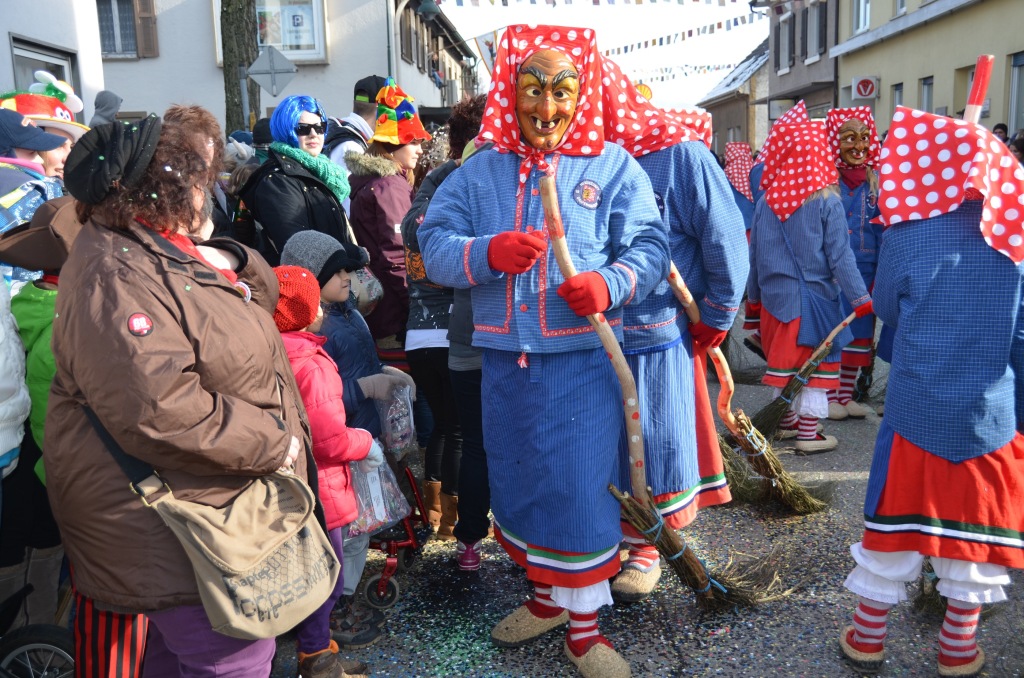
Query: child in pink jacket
(298, 315)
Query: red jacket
(334, 443)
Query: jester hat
(398, 122)
(50, 103)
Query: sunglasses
(304, 129)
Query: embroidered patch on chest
(140, 324)
(587, 194)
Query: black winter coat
(286, 198)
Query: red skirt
(858, 353)
(786, 357)
(972, 511)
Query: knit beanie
(322, 254)
(299, 298)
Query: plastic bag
(379, 498)
(398, 433)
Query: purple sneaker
(468, 556)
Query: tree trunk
(240, 49)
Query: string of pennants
(689, 34)
(671, 72)
(506, 3)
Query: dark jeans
(313, 633)
(474, 490)
(27, 521)
(429, 368)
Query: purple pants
(313, 634)
(181, 643)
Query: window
(785, 43)
(861, 15)
(927, 94)
(813, 23)
(406, 24)
(1017, 93)
(29, 58)
(127, 28)
(295, 27)
(897, 96)
(901, 7)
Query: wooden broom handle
(728, 387)
(630, 401)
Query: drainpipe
(387, 21)
(835, 61)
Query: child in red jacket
(298, 315)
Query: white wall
(68, 25)
(187, 72)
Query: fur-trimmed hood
(363, 165)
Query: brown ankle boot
(432, 501)
(449, 516)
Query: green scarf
(322, 167)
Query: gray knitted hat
(322, 254)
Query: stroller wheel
(406, 557)
(375, 599)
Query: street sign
(865, 88)
(272, 70)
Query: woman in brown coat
(175, 350)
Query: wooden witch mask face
(854, 142)
(547, 91)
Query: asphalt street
(441, 623)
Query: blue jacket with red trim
(612, 226)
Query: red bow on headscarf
(797, 162)
(928, 164)
(737, 167)
(836, 118)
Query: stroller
(35, 651)
(401, 544)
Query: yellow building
(921, 54)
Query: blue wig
(286, 117)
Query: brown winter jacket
(185, 375)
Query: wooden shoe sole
(633, 585)
(964, 670)
(522, 627)
(863, 662)
(600, 661)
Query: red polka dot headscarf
(929, 163)
(585, 135)
(835, 120)
(794, 115)
(639, 126)
(797, 162)
(738, 164)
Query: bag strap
(142, 478)
(796, 262)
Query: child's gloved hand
(373, 459)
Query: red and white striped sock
(833, 396)
(642, 556)
(583, 632)
(541, 605)
(847, 380)
(869, 622)
(789, 420)
(957, 643)
(808, 428)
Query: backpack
(339, 132)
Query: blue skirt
(551, 430)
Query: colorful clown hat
(50, 103)
(398, 122)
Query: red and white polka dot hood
(797, 162)
(738, 163)
(836, 118)
(930, 164)
(796, 114)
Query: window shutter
(145, 29)
(804, 47)
(822, 27)
(778, 47)
(792, 42)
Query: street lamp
(428, 10)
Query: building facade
(800, 65)
(731, 103)
(922, 53)
(173, 56)
(66, 43)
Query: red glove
(514, 251)
(707, 336)
(864, 309)
(586, 293)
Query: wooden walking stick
(638, 509)
(777, 483)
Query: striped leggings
(107, 644)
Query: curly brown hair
(464, 123)
(208, 136)
(165, 197)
